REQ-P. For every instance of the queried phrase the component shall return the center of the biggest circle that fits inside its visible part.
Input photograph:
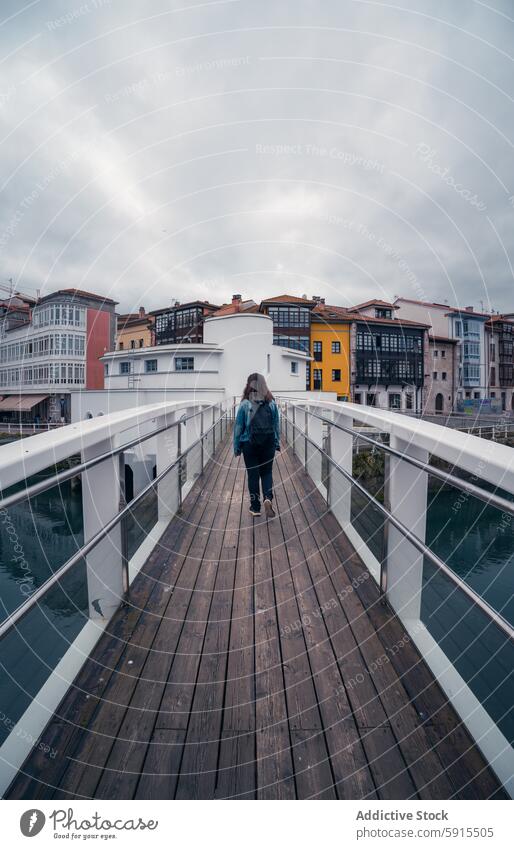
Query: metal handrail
(486, 608)
(477, 491)
(74, 471)
(56, 576)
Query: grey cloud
(258, 148)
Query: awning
(19, 403)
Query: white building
(51, 349)
(234, 346)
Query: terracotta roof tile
(288, 299)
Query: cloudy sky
(345, 148)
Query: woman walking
(257, 436)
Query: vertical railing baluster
(328, 448)
(179, 455)
(124, 530)
(306, 432)
(385, 539)
(202, 458)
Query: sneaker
(268, 507)
(254, 512)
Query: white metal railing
(27, 427)
(324, 435)
(181, 437)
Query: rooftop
(79, 293)
(187, 305)
(373, 303)
(289, 299)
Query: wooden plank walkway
(255, 661)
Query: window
(443, 376)
(120, 346)
(150, 365)
(471, 350)
(395, 400)
(106, 369)
(443, 353)
(336, 375)
(289, 316)
(141, 343)
(408, 401)
(380, 312)
(436, 353)
(357, 398)
(434, 375)
(471, 372)
(336, 347)
(132, 343)
(458, 331)
(125, 368)
(476, 396)
(294, 367)
(371, 399)
(493, 376)
(317, 375)
(184, 363)
(317, 351)
(297, 343)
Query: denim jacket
(242, 425)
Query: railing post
(124, 530)
(294, 430)
(328, 458)
(100, 503)
(193, 459)
(306, 443)
(314, 447)
(300, 428)
(180, 464)
(408, 502)
(167, 450)
(385, 538)
(202, 429)
(341, 447)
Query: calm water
(477, 541)
(36, 537)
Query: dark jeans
(259, 466)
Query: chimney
(141, 312)
(236, 302)
(469, 309)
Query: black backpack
(262, 428)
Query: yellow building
(134, 330)
(330, 349)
